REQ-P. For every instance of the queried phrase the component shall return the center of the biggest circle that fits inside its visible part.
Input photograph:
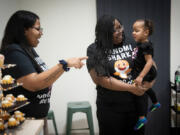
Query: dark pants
(117, 123)
(141, 105)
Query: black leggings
(152, 95)
(141, 102)
(117, 123)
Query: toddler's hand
(138, 80)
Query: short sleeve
(147, 48)
(23, 63)
(90, 54)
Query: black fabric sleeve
(147, 49)
(90, 54)
(23, 63)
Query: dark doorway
(159, 12)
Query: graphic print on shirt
(41, 63)
(121, 60)
(134, 53)
(122, 68)
(123, 52)
(45, 97)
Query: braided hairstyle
(104, 42)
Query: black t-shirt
(39, 101)
(139, 53)
(119, 66)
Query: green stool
(84, 107)
(51, 116)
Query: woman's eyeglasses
(38, 29)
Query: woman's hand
(76, 62)
(138, 90)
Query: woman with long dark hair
(21, 36)
(109, 64)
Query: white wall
(7, 7)
(175, 36)
(68, 30)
